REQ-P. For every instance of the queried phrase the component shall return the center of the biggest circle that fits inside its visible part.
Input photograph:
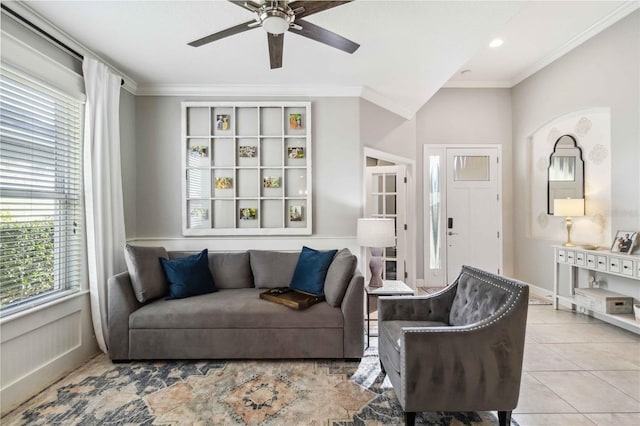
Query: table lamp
(568, 207)
(376, 233)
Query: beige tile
(626, 381)
(617, 419)
(586, 392)
(579, 333)
(538, 357)
(545, 314)
(537, 398)
(552, 419)
(601, 356)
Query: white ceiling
(409, 49)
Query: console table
(389, 288)
(602, 262)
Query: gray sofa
(234, 323)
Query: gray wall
(602, 72)
(337, 169)
(128, 160)
(468, 116)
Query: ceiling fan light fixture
(275, 21)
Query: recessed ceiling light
(496, 43)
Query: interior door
(386, 193)
(473, 213)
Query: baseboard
(540, 291)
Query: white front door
(472, 223)
(386, 192)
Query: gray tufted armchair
(459, 349)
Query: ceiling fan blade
(224, 33)
(327, 37)
(245, 4)
(311, 7)
(276, 42)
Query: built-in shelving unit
(247, 168)
(597, 261)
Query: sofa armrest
(121, 302)
(435, 307)
(353, 313)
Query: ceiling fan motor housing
(276, 17)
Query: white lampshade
(275, 25)
(376, 232)
(568, 207)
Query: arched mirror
(566, 171)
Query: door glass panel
(390, 183)
(470, 168)
(377, 183)
(390, 270)
(390, 252)
(391, 204)
(435, 209)
(379, 208)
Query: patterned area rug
(310, 392)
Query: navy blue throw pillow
(188, 276)
(311, 271)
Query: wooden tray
(290, 298)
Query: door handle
(452, 233)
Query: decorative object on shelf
(295, 213)
(568, 207)
(295, 152)
(199, 213)
(636, 311)
(624, 242)
(376, 233)
(248, 213)
(224, 183)
(295, 121)
(248, 151)
(222, 122)
(271, 182)
(199, 151)
(590, 246)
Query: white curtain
(103, 187)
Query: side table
(389, 288)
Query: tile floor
(578, 371)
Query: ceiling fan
(279, 16)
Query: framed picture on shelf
(624, 241)
(295, 152)
(200, 213)
(271, 182)
(222, 122)
(248, 151)
(199, 151)
(295, 121)
(295, 213)
(248, 213)
(224, 183)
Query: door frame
(410, 209)
(438, 277)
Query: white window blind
(40, 192)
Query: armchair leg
(409, 418)
(504, 418)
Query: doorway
(463, 211)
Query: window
(40, 192)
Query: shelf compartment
(295, 121)
(272, 183)
(198, 152)
(222, 121)
(295, 183)
(223, 152)
(296, 214)
(248, 151)
(271, 121)
(271, 152)
(296, 154)
(248, 213)
(224, 214)
(224, 183)
(199, 214)
(198, 121)
(271, 213)
(198, 183)
(248, 182)
(247, 121)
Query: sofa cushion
(311, 270)
(338, 276)
(147, 277)
(189, 276)
(229, 270)
(475, 300)
(272, 269)
(232, 309)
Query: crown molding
(31, 15)
(478, 84)
(387, 103)
(576, 41)
(252, 90)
